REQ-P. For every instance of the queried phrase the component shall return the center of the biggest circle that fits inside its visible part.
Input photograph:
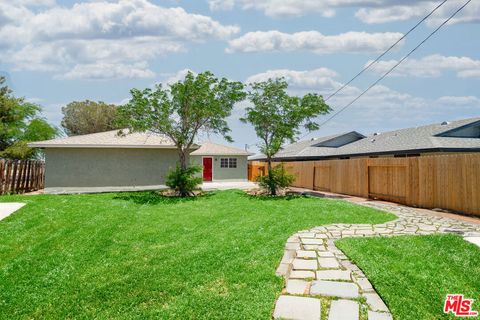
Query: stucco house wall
(240, 173)
(109, 167)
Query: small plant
(275, 180)
(184, 181)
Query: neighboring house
(106, 162)
(446, 137)
(221, 163)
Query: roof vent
(376, 133)
(372, 141)
(444, 123)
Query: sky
(57, 51)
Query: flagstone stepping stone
(297, 308)
(375, 302)
(334, 289)
(295, 286)
(334, 275)
(328, 263)
(306, 254)
(312, 241)
(344, 310)
(372, 315)
(296, 274)
(302, 264)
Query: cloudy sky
(57, 51)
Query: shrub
(184, 181)
(276, 180)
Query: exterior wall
(240, 173)
(96, 167)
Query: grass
(141, 255)
(413, 274)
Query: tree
(20, 122)
(184, 109)
(277, 117)
(84, 117)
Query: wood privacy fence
(19, 176)
(437, 181)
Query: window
(224, 163)
(228, 162)
(232, 162)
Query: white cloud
(382, 107)
(431, 66)
(368, 11)
(217, 5)
(352, 42)
(401, 12)
(99, 33)
(103, 70)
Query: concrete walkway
(7, 208)
(226, 185)
(314, 267)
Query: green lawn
(140, 255)
(413, 274)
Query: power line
(386, 51)
(397, 64)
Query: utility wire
(397, 64)
(385, 52)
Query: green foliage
(84, 117)
(413, 274)
(20, 122)
(277, 179)
(184, 181)
(143, 256)
(198, 103)
(278, 117)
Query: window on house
(232, 162)
(228, 162)
(224, 163)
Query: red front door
(207, 169)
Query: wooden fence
(437, 181)
(20, 176)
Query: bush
(276, 180)
(184, 181)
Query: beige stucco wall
(82, 167)
(240, 173)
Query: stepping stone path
(314, 267)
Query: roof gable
(213, 149)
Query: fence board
(19, 176)
(437, 181)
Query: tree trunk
(271, 184)
(183, 159)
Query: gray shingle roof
(109, 139)
(213, 149)
(422, 138)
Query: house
(446, 137)
(107, 161)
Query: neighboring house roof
(259, 156)
(212, 149)
(461, 135)
(109, 139)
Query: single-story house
(107, 161)
(446, 137)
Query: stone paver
(297, 308)
(379, 316)
(299, 274)
(302, 264)
(328, 263)
(335, 275)
(295, 286)
(7, 208)
(334, 289)
(344, 310)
